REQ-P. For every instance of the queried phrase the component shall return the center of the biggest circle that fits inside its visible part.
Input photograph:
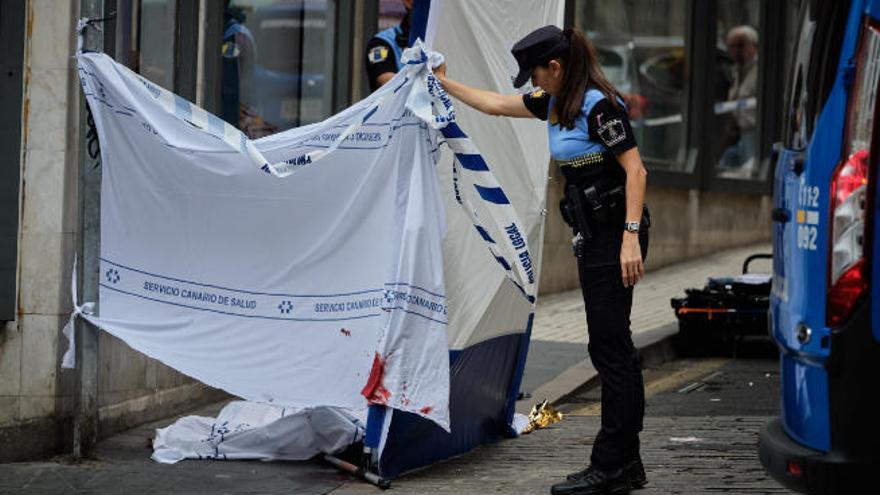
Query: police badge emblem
(230, 49)
(377, 54)
(612, 132)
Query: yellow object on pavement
(541, 416)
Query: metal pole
(85, 423)
(369, 468)
(360, 472)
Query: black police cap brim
(523, 77)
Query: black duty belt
(580, 161)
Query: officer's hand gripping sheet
(302, 269)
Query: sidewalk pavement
(558, 363)
(694, 442)
(556, 366)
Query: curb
(654, 346)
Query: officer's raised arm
(488, 102)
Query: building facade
(702, 80)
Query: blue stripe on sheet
(485, 235)
(216, 126)
(370, 114)
(452, 131)
(472, 162)
(492, 194)
(182, 108)
(503, 263)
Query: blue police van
(824, 312)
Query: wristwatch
(631, 227)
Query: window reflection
(156, 60)
(737, 89)
(643, 54)
(277, 68)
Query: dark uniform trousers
(608, 304)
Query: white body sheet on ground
(252, 430)
(325, 288)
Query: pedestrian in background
(739, 154)
(592, 143)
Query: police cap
(537, 47)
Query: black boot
(593, 481)
(579, 474)
(635, 473)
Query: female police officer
(592, 142)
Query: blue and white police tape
(477, 188)
(220, 129)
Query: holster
(586, 208)
(576, 211)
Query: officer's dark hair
(582, 69)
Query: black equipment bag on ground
(716, 318)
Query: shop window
(158, 25)
(736, 91)
(277, 66)
(645, 56)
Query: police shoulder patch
(612, 132)
(377, 54)
(537, 94)
(230, 49)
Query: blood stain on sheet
(426, 410)
(375, 390)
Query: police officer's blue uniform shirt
(601, 132)
(385, 51)
(389, 36)
(587, 155)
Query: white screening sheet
(300, 270)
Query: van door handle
(780, 215)
(775, 150)
(797, 164)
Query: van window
(814, 67)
